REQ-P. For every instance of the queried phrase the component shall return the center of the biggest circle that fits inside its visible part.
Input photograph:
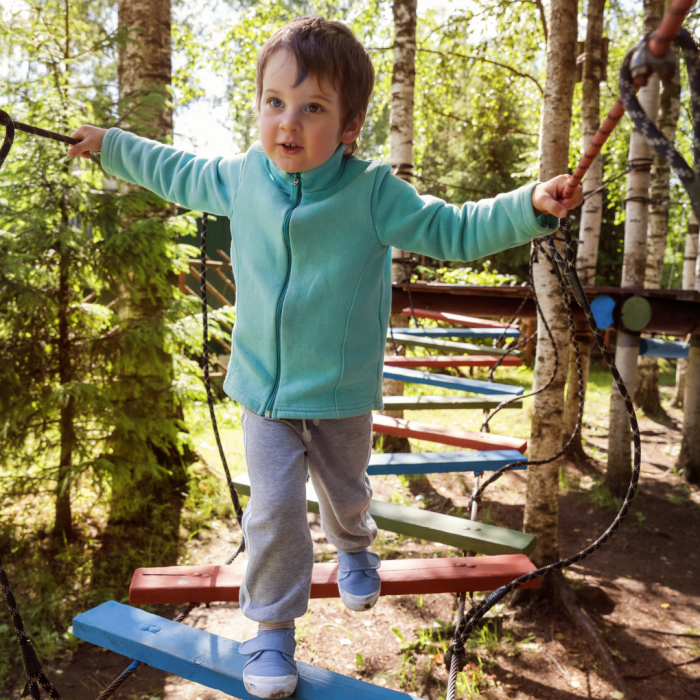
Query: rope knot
(457, 653)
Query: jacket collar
(314, 180)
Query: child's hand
(547, 197)
(90, 140)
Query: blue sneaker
(270, 672)
(358, 581)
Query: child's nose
(291, 121)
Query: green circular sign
(636, 313)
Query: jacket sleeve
(195, 183)
(429, 226)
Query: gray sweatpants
(278, 579)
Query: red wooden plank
(457, 319)
(450, 361)
(209, 584)
(445, 435)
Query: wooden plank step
(433, 527)
(447, 381)
(450, 361)
(444, 346)
(478, 333)
(457, 319)
(386, 425)
(202, 657)
(211, 584)
(425, 403)
(436, 462)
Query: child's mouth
(290, 148)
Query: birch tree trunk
(633, 271)
(689, 458)
(646, 394)
(592, 209)
(690, 257)
(542, 499)
(403, 81)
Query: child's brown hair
(327, 50)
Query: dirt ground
(641, 590)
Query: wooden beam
(213, 584)
(202, 657)
(476, 333)
(446, 381)
(441, 462)
(450, 361)
(457, 319)
(436, 403)
(456, 437)
(673, 311)
(444, 345)
(211, 288)
(433, 527)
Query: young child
(311, 226)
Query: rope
(665, 148)
(567, 267)
(503, 404)
(205, 366)
(33, 670)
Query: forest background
(91, 326)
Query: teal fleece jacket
(309, 256)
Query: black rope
(555, 369)
(205, 367)
(654, 136)
(33, 670)
(567, 267)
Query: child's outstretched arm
(196, 183)
(428, 225)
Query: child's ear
(352, 131)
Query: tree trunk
(633, 270)
(145, 70)
(403, 82)
(646, 394)
(689, 458)
(63, 523)
(591, 211)
(690, 258)
(144, 82)
(542, 499)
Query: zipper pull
(297, 179)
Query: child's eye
(275, 102)
(314, 108)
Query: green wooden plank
(433, 527)
(447, 346)
(427, 403)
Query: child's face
(300, 127)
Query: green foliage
(468, 275)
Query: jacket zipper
(278, 318)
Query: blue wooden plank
(651, 347)
(435, 462)
(485, 333)
(474, 386)
(203, 657)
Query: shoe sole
(359, 603)
(270, 687)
